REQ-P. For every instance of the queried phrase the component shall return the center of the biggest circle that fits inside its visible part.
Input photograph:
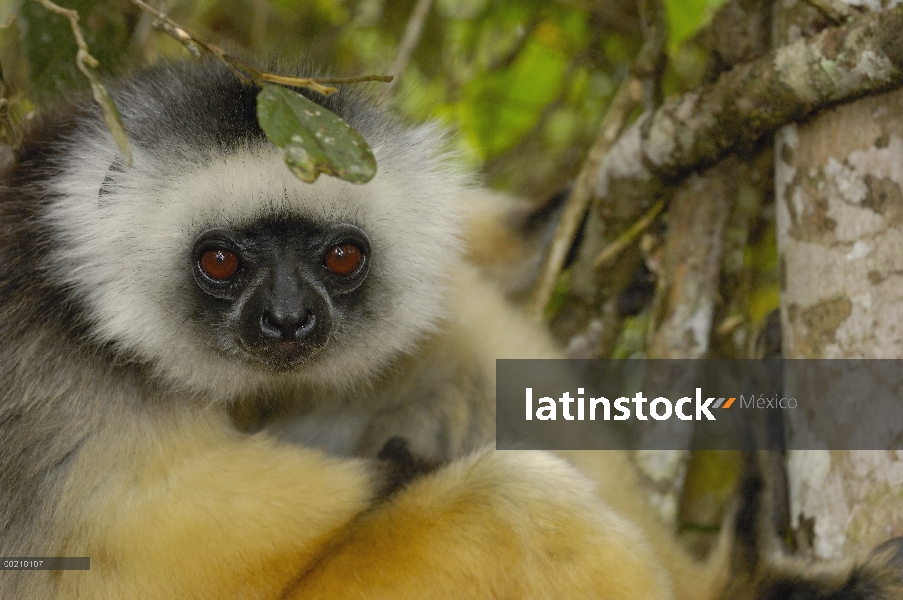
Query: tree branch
(653, 56)
(85, 63)
(694, 130)
(687, 288)
(627, 96)
(406, 47)
(611, 251)
(240, 68)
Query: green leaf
(501, 107)
(312, 139)
(686, 17)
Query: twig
(245, 72)
(315, 83)
(85, 63)
(626, 238)
(355, 79)
(409, 40)
(83, 59)
(625, 99)
(650, 63)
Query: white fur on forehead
(127, 252)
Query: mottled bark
(838, 182)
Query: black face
(276, 291)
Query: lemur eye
(343, 260)
(219, 264)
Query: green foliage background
(525, 82)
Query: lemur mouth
(285, 355)
(289, 347)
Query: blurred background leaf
(524, 81)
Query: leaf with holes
(312, 139)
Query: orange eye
(219, 264)
(343, 260)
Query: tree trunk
(839, 194)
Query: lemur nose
(288, 325)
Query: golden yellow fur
(200, 511)
(189, 508)
(495, 525)
(193, 509)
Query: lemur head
(210, 261)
